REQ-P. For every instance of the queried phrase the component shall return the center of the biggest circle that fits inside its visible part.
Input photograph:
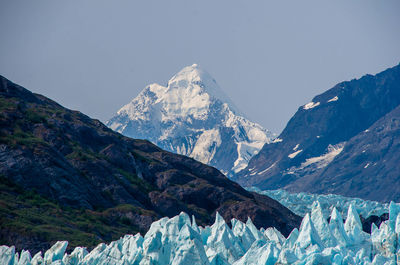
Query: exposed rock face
(373, 219)
(344, 142)
(59, 163)
(192, 116)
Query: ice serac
(179, 241)
(56, 252)
(223, 243)
(76, 255)
(260, 253)
(275, 236)
(256, 233)
(337, 228)
(7, 255)
(384, 241)
(321, 225)
(241, 231)
(308, 240)
(353, 226)
(25, 258)
(193, 116)
(394, 210)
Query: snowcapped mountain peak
(192, 116)
(192, 74)
(195, 81)
(190, 92)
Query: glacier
(179, 240)
(192, 116)
(301, 203)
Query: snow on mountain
(192, 116)
(179, 240)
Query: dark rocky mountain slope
(328, 143)
(65, 176)
(368, 166)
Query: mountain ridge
(319, 131)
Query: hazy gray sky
(270, 57)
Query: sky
(270, 57)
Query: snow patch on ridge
(277, 140)
(267, 169)
(325, 159)
(311, 105)
(293, 155)
(335, 98)
(315, 163)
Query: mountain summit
(192, 116)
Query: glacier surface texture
(300, 203)
(179, 240)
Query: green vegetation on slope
(27, 213)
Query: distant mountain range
(345, 141)
(192, 116)
(65, 176)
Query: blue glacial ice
(179, 240)
(301, 203)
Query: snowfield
(179, 240)
(311, 105)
